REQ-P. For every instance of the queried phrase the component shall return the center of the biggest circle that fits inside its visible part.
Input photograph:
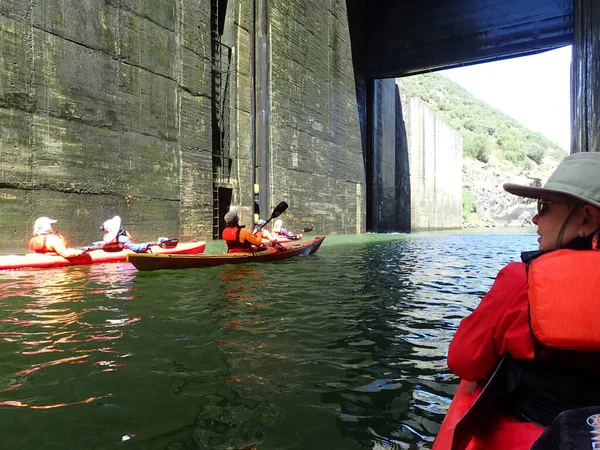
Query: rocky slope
(487, 204)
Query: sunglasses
(543, 206)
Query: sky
(535, 90)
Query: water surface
(341, 350)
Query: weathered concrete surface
(315, 133)
(105, 109)
(390, 192)
(316, 162)
(585, 136)
(435, 158)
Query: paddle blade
(279, 210)
(307, 230)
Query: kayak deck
(157, 262)
(45, 260)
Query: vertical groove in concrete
(586, 77)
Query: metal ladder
(220, 75)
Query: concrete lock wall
(106, 110)
(435, 159)
(315, 160)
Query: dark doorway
(223, 204)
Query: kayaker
(113, 232)
(265, 233)
(47, 240)
(540, 316)
(279, 230)
(238, 238)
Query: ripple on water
(341, 350)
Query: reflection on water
(344, 349)
(56, 318)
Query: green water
(344, 349)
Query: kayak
(502, 432)
(144, 261)
(47, 260)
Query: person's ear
(591, 219)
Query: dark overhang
(406, 37)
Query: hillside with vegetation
(496, 149)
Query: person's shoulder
(512, 277)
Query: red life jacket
(38, 243)
(563, 288)
(231, 236)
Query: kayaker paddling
(540, 319)
(113, 232)
(278, 230)
(47, 240)
(238, 238)
(272, 240)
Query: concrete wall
(315, 160)
(390, 193)
(105, 110)
(435, 159)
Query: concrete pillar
(586, 77)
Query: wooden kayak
(47, 260)
(144, 261)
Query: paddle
(307, 230)
(279, 210)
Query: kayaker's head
(43, 225)
(278, 224)
(232, 219)
(568, 204)
(111, 228)
(260, 224)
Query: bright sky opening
(535, 90)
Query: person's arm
(246, 235)
(138, 248)
(56, 244)
(497, 326)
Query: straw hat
(111, 228)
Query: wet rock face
(493, 206)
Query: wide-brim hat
(577, 177)
(111, 228)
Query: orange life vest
(231, 236)
(563, 299)
(38, 243)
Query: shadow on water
(344, 349)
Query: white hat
(43, 225)
(278, 222)
(111, 228)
